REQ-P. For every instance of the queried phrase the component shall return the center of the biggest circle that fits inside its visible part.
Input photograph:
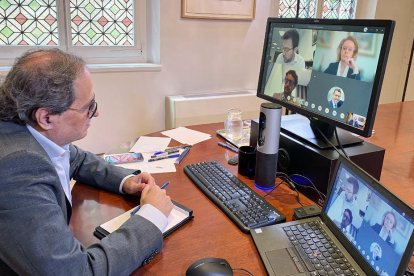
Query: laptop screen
(369, 219)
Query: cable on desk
(277, 185)
(293, 184)
(290, 185)
(244, 270)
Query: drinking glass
(234, 124)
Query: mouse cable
(243, 270)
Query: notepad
(178, 217)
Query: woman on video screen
(346, 65)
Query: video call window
(375, 227)
(306, 66)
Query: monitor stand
(300, 127)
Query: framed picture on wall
(219, 9)
(367, 43)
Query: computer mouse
(210, 267)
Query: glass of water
(234, 124)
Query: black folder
(178, 217)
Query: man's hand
(136, 184)
(152, 194)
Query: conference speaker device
(267, 145)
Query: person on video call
(386, 229)
(345, 66)
(376, 251)
(47, 102)
(346, 200)
(346, 225)
(354, 121)
(289, 55)
(335, 100)
(290, 82)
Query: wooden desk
(211, 233)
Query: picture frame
(367, 43)
(219, 9)
(324, 39)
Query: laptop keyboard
(317, 250)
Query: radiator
(191, 109)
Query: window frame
(92, 54)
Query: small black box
(298, 157)
(306, 212)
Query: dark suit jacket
(377, 228)
(340, 102)
(333, 68)
(35, 238)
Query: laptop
(362, 229)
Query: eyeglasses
(91, 109)
(348, 49)
(287, 49)
(290, 82)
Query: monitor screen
(330, 71)
(374, 222)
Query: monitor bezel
(388, 26)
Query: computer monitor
(330, 71)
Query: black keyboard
(239, 202)
(319, 253)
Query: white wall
(402, 12)
(196, 56)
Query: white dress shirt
(60, 158)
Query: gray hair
(39, 79)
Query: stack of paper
(149, 145)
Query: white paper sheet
(146, 144)
(186, 136)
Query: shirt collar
(52, 149)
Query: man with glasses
(46, 103)
(290, 82)
(289, 55)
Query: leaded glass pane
(288, 8)
(28, 23)
(102, 22)
(307, 8)
(339, 9)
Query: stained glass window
(92, 22)
(339, 9)
(289, 8)
(28, 23)
(332, 9)
(102, 22)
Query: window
(101, 31)
(330, 9)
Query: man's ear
(43, 118)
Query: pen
(179, 159)
(165, 185)
(178, 147)
(139, 206)
(163, 153)
(163, 157)
(228, 146)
